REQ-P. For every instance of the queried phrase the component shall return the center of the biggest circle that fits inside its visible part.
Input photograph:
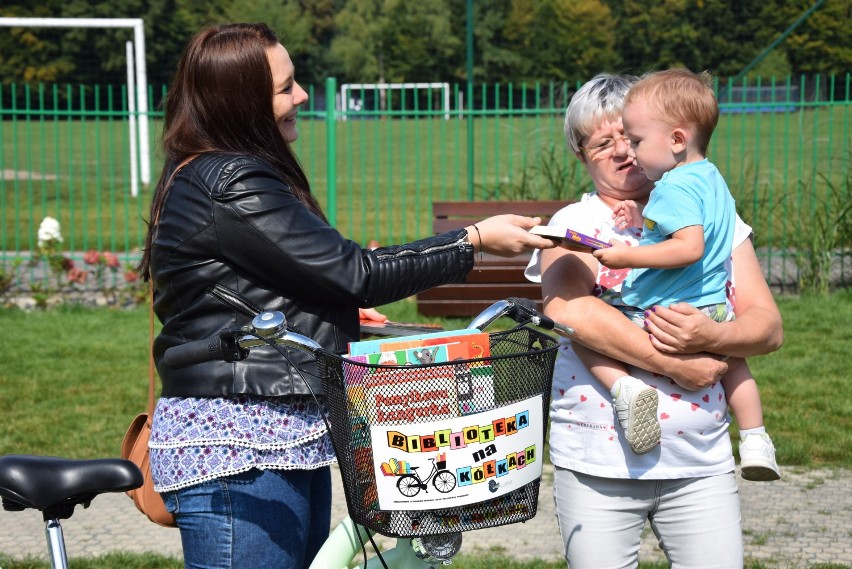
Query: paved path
(801, 521)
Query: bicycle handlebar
(234, 345)
(520, 310)
(271, 327)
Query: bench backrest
(493, 279)
(454, 215)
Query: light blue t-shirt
(692, 194)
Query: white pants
(697, 520)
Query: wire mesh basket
(445, 447)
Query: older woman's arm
(567, 282)
(682, 329)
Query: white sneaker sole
(643, 427)
(760, 473)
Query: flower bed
(51, 276)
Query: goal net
(136, 81)
(366, 99)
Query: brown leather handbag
(134, 447)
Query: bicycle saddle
(55, 485)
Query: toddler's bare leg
(605, 369)
(743, 395)
(757, 453)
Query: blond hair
(680, 98)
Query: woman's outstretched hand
(507, 235)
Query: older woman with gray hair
(686, 487)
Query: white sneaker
(636, 407)
(757, 458)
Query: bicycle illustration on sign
(410, 483)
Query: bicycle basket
(444, 447)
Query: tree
(358, 50)
(493, 57)
(396, 41)
(561, 39)
(655, 36)
(32, 55)
(420, 44)
(316, 67)
(288, 19)
(725, 37)
(822, 44)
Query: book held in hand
(569, 238)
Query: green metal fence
(783, 146)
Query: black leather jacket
(233, 240)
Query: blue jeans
(261, 518)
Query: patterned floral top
(194, 440)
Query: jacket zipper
(234, 300)
(460, 244)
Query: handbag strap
(151, 366)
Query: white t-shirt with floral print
(583, 432)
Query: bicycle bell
(437, 549)
(269, 324)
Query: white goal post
(348, 88)
(138, 71)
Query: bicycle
(425, 538)
(56, 486)
(513, 381)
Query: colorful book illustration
(394, 467)
(415, 395)
(373, 346)
(407, 394)
(478, 342)
(569, 238)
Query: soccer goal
(350, 103)
(140, 161)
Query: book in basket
(365, 347)
(394, 395)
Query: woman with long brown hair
(239, 450)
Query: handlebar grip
(192, 353)
(526, 309)
(529, 308)
(524, 305)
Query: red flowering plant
(134, 287)
(104, 266)
(101, 264)
(99, 280)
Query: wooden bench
(495, 278)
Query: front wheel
(408, 485)
(444, 481)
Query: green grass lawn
(388, 172)
(72, 379)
